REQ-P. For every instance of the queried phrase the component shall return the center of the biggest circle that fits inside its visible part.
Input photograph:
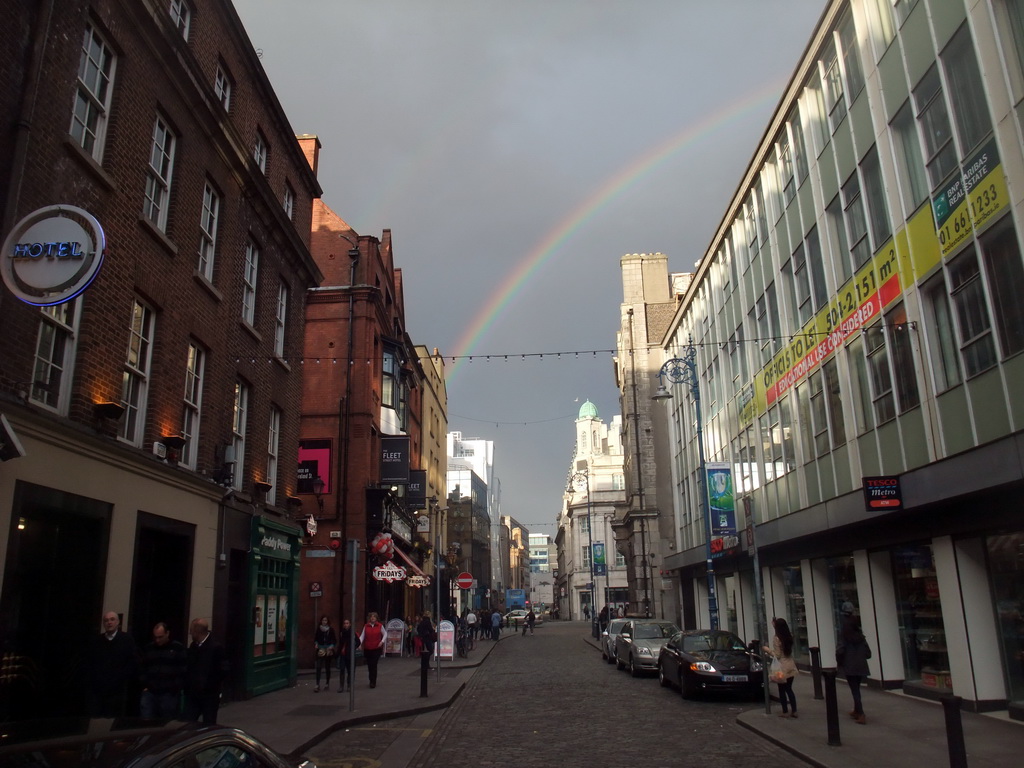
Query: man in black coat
(204, 673)
(114, 666)
(163, 675)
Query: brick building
(362, 401)
(151, 378)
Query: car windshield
(616, 627)
(653, 631)
(712, 642)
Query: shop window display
(919, 609)
(796, 612)
(1006, 570)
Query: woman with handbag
(783, 668)
(852, 654)
(325, 642)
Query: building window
(193, 404)
(273, 446)
(856, 222)
(55, 354)
(281, 319)
(874, 192)
(862, 407)
(252, 266)
(832, 85)
(93, 92)
(181, 15)
(208, 231)
(881, 378)
(834, 396)
(158, 175)
(847, 35)
(288, 202)
(135, 383)
(837, 240)
(945, 361)
(238, 424)
(618, 482)
(966, 91)
(883, 28)
(801, 285)
(940, 154)
(259, 152)
(909, 162)
(784, 163)
(977, 347)
(586, 557)
(1005, 273)
(389, 384)
(222, 87)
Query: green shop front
(273, 599)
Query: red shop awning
(409, 562)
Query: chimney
(310, 144)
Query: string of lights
(559, 355)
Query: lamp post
(683, 370)
(583, 476)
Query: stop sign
(465, 580)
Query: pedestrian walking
(528, 622)
(586, 612)
(347, 644)
(163, 676)
(471, 624)
(114, 666)
(325, 643)
(372, 641)
(204, 673)
(852, 654)
(495, 625)
(783, 668)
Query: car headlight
(756, 666)
(642, 651)
(702, 666)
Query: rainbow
(613, 188)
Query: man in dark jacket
(163, 675)
(204, 673)
(114, 666)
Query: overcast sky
(517, 149)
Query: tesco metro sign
(52, 255)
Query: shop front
(273, 594)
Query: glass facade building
(856, 316)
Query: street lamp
(683, 370)
(583, 476)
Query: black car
(705, 660)
(124, 743)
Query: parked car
(121, 743)
(706, 660)
(638, 643)
(608, 639)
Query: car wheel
(685, 689)
(662, 677)
(634, 670)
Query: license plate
(734, 678)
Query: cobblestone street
(549, 699)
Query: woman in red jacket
(371, 639)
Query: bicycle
(461, 642)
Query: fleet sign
(52, 255)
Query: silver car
(639, 642)
(608, 639)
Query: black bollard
(954, 732)
(816, 672)
(831, 707)
(424, 671)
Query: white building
(587, 551)
(478, 454)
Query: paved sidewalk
(292, 720)
(901, 731)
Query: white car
(608, 639)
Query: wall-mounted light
(318, 491)
(262, 487)
(173, 442)
(108, 410)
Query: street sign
(316, 589)
(465, 580)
